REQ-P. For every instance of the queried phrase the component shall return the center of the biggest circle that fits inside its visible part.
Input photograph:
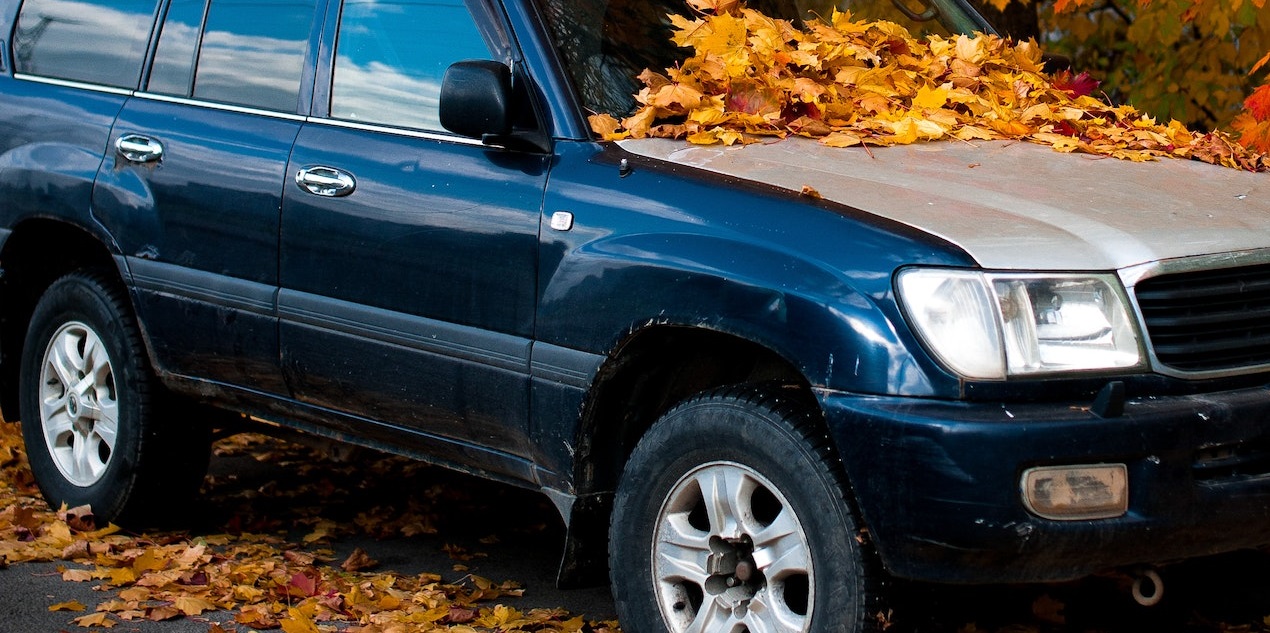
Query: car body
(389, 224)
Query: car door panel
(199, 164)
(411, 299)
(408, 255)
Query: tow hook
(1147, 588)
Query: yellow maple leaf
(676, 97)
(135, 594)
(1059, 142)
(94, 619)
(70, 605)
(300, 619)
(191, 605)
(122, 576)
(638, 124)
(842, 139)
(928, 98)
(149, 560)
(973, 132)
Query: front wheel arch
(674, 566)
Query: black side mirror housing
(476, 99)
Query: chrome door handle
(139, 149)
(326, 181)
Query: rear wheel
(89, 408)
(731, 517)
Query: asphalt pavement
(424, 519)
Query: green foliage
(1177, 59)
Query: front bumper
(937, 482)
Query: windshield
(606, 44)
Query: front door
(408, 263)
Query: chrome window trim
(213, 105)
(154, 96)
(1133, 275)
(83, 85)
(387, 129)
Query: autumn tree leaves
(1191, 60)
(848, 82)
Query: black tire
(678, 567)
(98, 441)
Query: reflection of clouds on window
(384, 94)
(256, 70)
(172, 70)
(379, 93)
(392, 57)
(54, 37)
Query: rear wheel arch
(37, 253)
(99, 429)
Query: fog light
(1071, 493)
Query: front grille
(1209, 320)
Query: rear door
(408, 255)
(193, 183)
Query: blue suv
(387, 223)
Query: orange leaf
(1264, 60)
(77, 575)
(1253, 134)
(72, 605)
(1258, 103)
(159, 614)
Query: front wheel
(89, 408)
(731, 517)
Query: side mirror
(476, 99)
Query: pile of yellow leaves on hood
(850, 83)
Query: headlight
(994, 325)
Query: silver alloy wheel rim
(79, 407)
(730, 555)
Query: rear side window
(172, 72)
(102, 43)
(241, 52)
(391, 57)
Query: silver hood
(1015, 205)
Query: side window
(391, 57)
(102, 43)
(251, 52)
(172, 71)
